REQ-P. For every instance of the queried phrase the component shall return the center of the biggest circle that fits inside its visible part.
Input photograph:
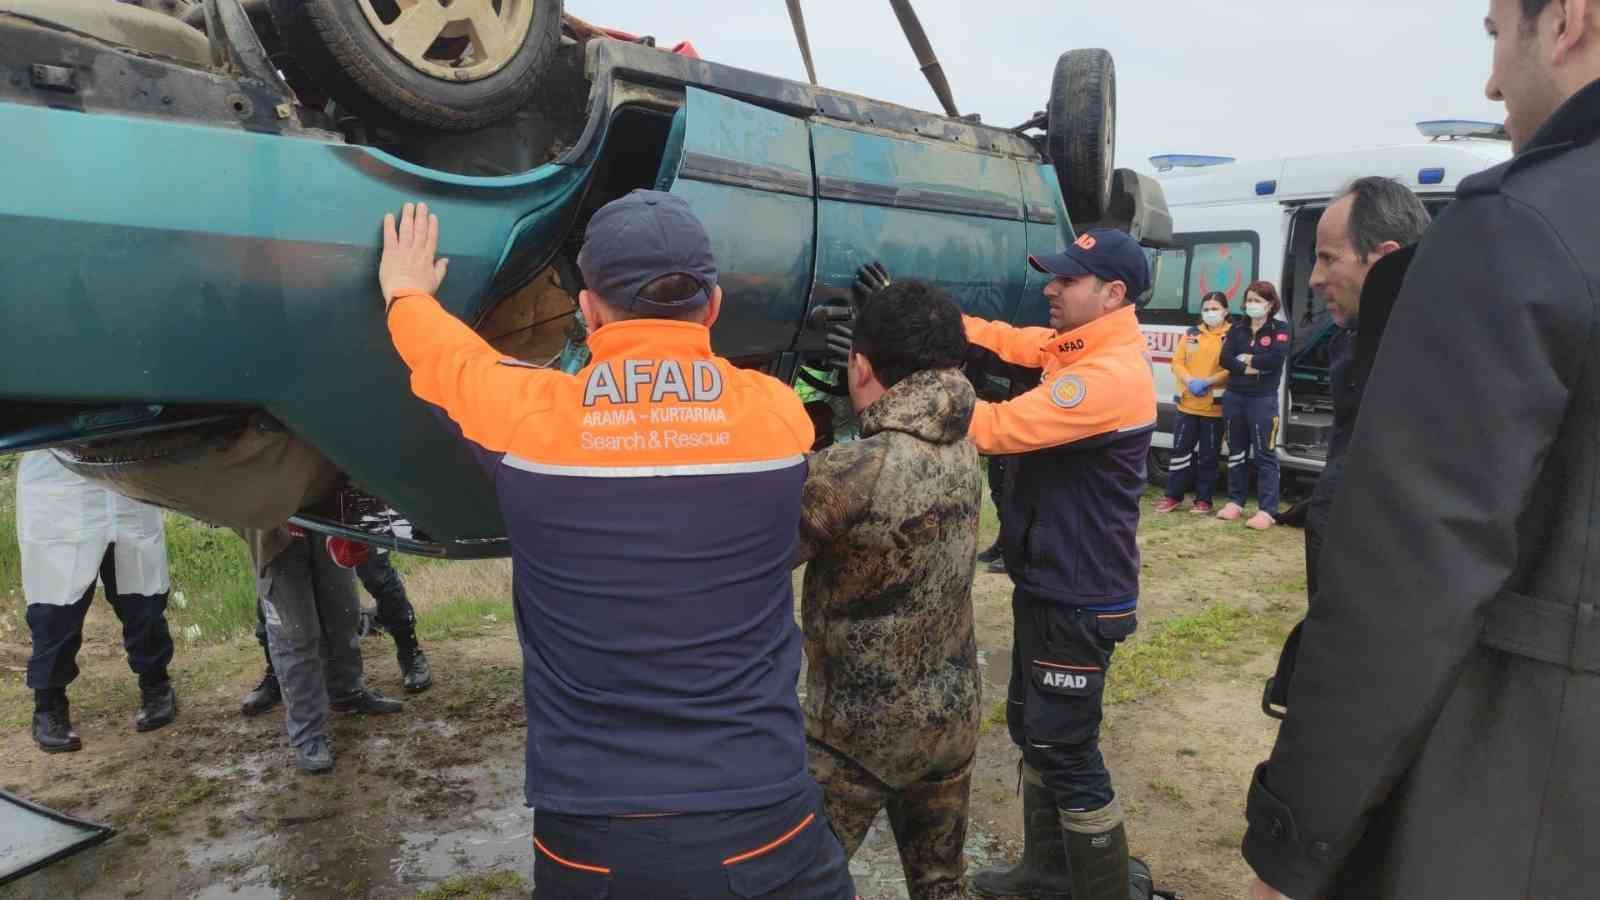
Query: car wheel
(1081, 131)
(1158, 466)
(451, 65)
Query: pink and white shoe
(1262, 520)
(1231, 512)
(1167, 504)
(1201, 507)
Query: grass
(487, 886)
(1172, 649)
(463, 618)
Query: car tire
(1081, 131)
(368, 69)
(1158, 466)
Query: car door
(927, 209)
(746, 172)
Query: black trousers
(1059, 658)
(379, 577)
(784, 851)
(57, 633)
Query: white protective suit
(64, 523)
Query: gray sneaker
(314, 756)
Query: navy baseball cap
(639, 238)
(1105, 253)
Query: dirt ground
(428, 803)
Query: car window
(1226, 266)
(1167, 267)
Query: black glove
(870, 279)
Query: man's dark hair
(667, 289)
(907, 327)
(1531, 10)
(1383, 210)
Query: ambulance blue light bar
(1266, 188)
(1430, 176)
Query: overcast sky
(1247, 78)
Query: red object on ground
(348, 554)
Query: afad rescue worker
(1069, 526)
(1441, 736)
(890, 528)
(70, 530)
(652, 502)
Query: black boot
(994, 552)
(413, 662)
(266, 695)
(52, 724)
(1042, 874)
(366, 701)
(158, 703)
(1099, 863)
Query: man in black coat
(1441, 736)
(1372, 218)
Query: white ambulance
(1237, 222)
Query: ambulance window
(1226, 266)
(1168, 268)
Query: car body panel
(227, 261)
(246, 276)
(746, 172)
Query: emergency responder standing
(69, 531)
(652, 501)
(1441, 734)
(1069, 528)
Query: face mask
(1213, 317)
(1255, 310)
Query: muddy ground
(429, 802)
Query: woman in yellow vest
(1197, 437)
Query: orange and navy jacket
(652, 503)
(1197, 357)
(1070, 506)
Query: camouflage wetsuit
(890, 526)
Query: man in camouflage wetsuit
(890, 528)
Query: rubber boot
(1097, 853)
(52, 722)
(413, 662)
(1042, 874)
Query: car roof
(1301, 178)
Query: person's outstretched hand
(407, 264)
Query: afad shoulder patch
(1068, 391)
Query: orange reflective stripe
(601, 870)
(774, 845)
(1116, 615)
(1040, 662)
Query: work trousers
(57, 633)
(313, 620)
(1059, 658)
(929, 818)
(1252, 439)
(781, 851)
(379, 577)
(1196, 447)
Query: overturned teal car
(191, 236)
